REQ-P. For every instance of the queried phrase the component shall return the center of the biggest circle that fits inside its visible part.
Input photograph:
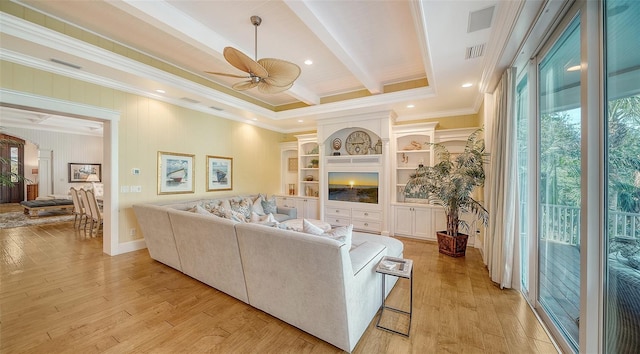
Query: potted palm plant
(449, 183)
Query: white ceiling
(356, 46)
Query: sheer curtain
(501, 189)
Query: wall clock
(358, 143)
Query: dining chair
(78, 208)
(96, 213)
(84, 200)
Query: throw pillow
(257, 206)
(309, 228)
(270, 218)
(201, 210)
(219, 211)
(269, 206)
(261, 218)
(342, 234)
(242, 207)
(239, 217)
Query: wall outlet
(132, 232)
(136, 189)
(124, 189)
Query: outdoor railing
(562, 224)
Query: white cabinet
(368, 220)
(414, 221)
(307, 207)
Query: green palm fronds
(450, 182)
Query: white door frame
(109, 118)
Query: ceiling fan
(268, 74)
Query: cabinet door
(422, 223)
(439, 220)
(285, 202)
(311, 208)
(403, 220)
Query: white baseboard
(131, 246)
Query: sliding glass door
(559, 183)
(622, 246)
(523, 146)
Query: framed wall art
(85, 172)
(293, 164)
(219, 173)
(175, 173)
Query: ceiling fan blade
(281, 72)
(244, 85)
(242, 62)
(270, 89)
(230, 75)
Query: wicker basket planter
(453, 246)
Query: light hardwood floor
(60, 293)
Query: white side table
(402, 268)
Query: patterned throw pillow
(269, 206)
(239, 217)
(219, 211)
(243, 207)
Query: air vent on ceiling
(190, 100)
(58, 61)
(474, 52)
(481, 19)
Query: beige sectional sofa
(318, 284)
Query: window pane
(559, 183)
(522, 122)
(13, 157)
(622, 275)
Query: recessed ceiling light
(300, 121)
(308, 62)
(410, 106)
(160, 91)
(468, 84)
(573, 68)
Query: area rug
(18, 219)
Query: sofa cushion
(269, 206)
(394, 247)
(362, 254)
